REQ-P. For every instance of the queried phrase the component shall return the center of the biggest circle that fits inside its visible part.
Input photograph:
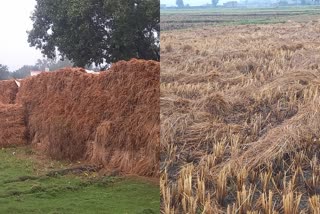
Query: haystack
(12, 126)
(111, 119)
(8, 91)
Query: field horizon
(175, 19)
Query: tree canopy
(4, 72)
(214, 2)
(52, 64)
(97, 31)
(4, 68)
(23, 72)
(179, 3)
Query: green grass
(24, 189)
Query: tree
(60, 64)
(214, 3)
(42, 64)
(97, 31)
(53, 64)
(24, 71)
(4, 68)
(4, 72)
(179, 3)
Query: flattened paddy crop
(240, 119)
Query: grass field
(25, 188)
(240, 130)
(172, 19)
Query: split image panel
(240, 108)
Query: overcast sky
(14, 22)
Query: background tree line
(40, 65)
(180, 3)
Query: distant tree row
(21, 73)
(4, 72)
(41, 65)
(180, 3)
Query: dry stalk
(221, 187)
(245, 199)
(314, 203)
(265, 180)
(189, 204)
(241, 178)
(201, 190)
(185, 181)
(291, 202)
(267, 204)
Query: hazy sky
(14, 22)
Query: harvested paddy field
(172, 19)
(240, 119)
